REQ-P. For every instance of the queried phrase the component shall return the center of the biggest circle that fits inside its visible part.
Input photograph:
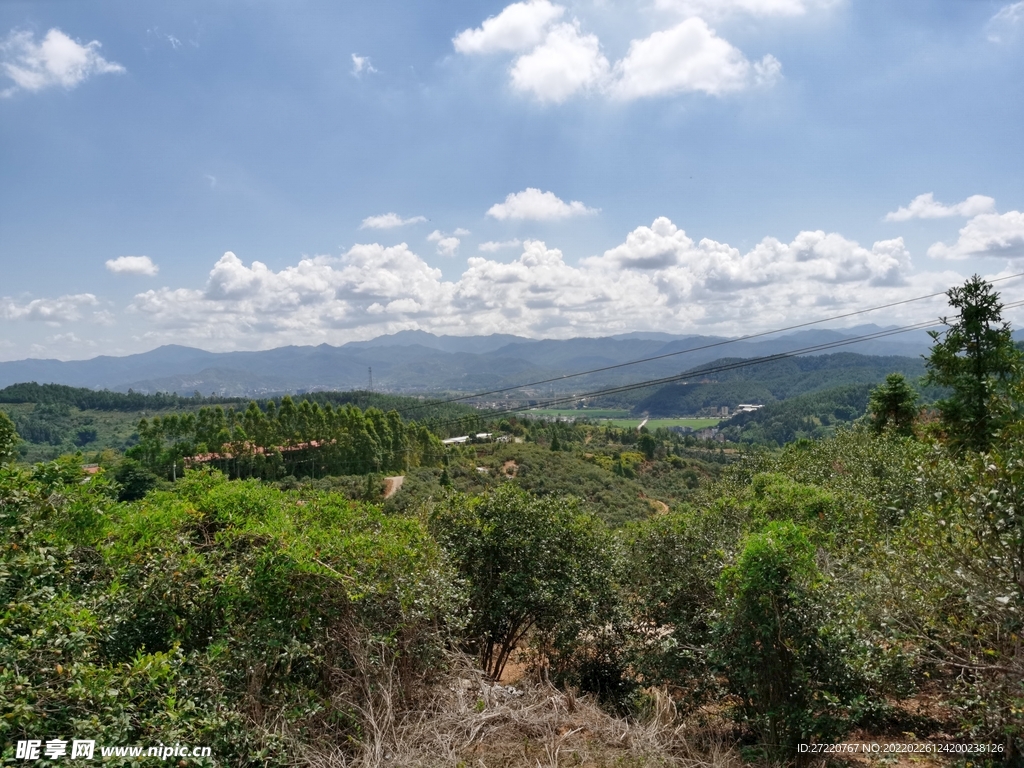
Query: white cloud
(361, 64)
(447, 245)
(767, 71)
(460, 232)
(1007, 23)
(926, 207)
(389, 221)
(667, 251)
(492, 246)
(56, 60)
(721, 8)
(132, 265)
(52, 311)
(518, 27)
(566, 62)
(989, 234)
(533, 204)
(688, 57)
(657, 279)
(369, 287)
(70, 338)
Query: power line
(706, 370)
(744, 363)
(724, 342)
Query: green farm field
(579, 413)
(619, 418)
(653, 424)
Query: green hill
(769, 381)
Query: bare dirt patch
(392, 484)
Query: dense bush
(219, 614)
(537, 568)
(775, 646)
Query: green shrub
(135, 480)
(667, 570)
(774, 645)
(532, 565)
(209, 613)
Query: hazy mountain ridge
(418, 362)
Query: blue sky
(247, 175)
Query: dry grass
(465, 722)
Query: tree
(532, 565)
(893, 404)
(647, 444)
(135, 480)
(774, 646)
(8, 439)
(975, 358)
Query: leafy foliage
(294, 439)
(774, 643)
(893, 405)
(207, 614)
(535, 565)
(976, 358)
(8, 438)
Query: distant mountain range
(422, 363)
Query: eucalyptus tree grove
(304, 439)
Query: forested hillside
(55, 419)
(731, 381)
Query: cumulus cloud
(132, 265)
(1007, 23)
(70, 338)
(560, 60)
(63, 309)
(927, 207)
(565, 63)
(989, 234)
(389, 221)
(688, 57)
(533, 204)
(369, 287)
(720, 8)
(492, 246)
(518, 27)
(447, 245)
(658, 278)
(56, 60)
(666, 250)
(361, 64)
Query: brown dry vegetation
(465, 721)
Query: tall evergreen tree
(975, 358)
(893, 405)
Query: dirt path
(392, 484)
